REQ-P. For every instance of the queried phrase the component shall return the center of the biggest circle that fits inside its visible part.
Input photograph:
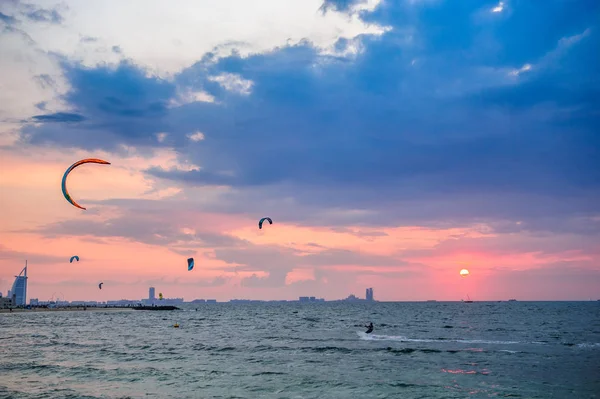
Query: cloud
(181, 233)
(553, 281)
(187, 282)
(366, 116)
(276, 278)
(8, 254)
(360, 233)
(30, 12)
(112, 102)
(59, 117)
(340, 5)
(271, 264)
(88, 39)
(186, 234)
(42, 15)
(541, 246)
(423, 125)
(7, 19)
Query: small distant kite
(100, 285)
(74, 257)
(260, 223)
(64, 179)
(160, 297)
(190, 264)
(464, 273)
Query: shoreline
(66, 309)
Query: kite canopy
(160, 297)
(190, 264)
(64, 179)
(100, 285)
(74, 257)
(260, 223)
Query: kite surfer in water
(369, 328)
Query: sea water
(312, 350)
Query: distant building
(6, 303)
(151, 294)
(171, 301)
(84, 303)
(211, 301)
(369, 295)
(122, 302)
(310, 299)
(19, 288)
(34, 301)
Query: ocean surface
(319, 350)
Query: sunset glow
(385, 156)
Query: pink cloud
(117, 244)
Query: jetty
(156, 308)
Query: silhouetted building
(19, 288)
(369, 295)
(6, 303)
(310, 299)
(151, 294)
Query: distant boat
(512, 300)
(468, 300)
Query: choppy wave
(401, 338)
(269, 351)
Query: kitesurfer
(369, 328)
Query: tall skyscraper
(369, 295)
(19, 287)
(151, 294)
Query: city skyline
(391, 144)
(19, 291)
(22, 280)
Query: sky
(393, 143)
